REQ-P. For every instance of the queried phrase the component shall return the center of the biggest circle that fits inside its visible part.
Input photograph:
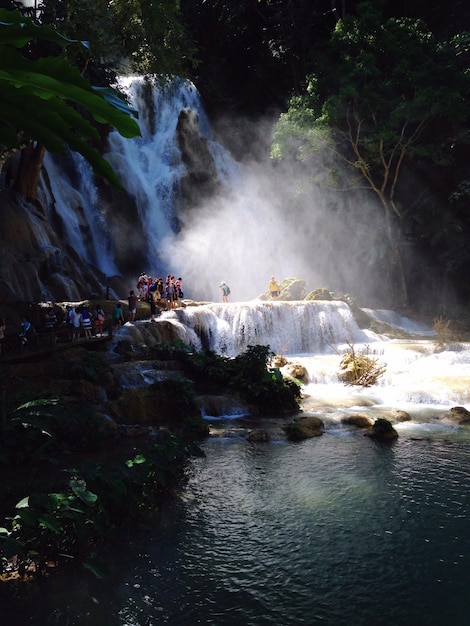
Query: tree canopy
(48, 101)
(387, 92)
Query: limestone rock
(257, 436)
(278, 360)
(319, 294)
(296, 370)
(361, 421)
(397, 415)
(457, 415)
(305, 427)
(382, 429)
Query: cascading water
(243, 230)
(150, 167)
(77, 204)
(287, 327)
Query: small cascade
(78, 206)
(287, 327)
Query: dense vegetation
(73, 478)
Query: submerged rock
(382, 429)
(257, 436)
(305, 427)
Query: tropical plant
(248, 375)
(47, 105)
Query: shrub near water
(246, 375)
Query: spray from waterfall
(264, 221)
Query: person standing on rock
(118, 317)
(86, 322)
(27, 329)
(225, 291)
(132, 300)
(274, 289)
(99, 320)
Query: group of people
(158, 292)
(81, 318)
(167, 292)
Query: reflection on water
(335, 530)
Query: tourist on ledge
(132, 300)
(225, 291)
(274, 289)
(118, 317)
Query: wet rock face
(35, 265)
(201, 179)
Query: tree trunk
(29, 169)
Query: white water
(420, 377)
(287, 327)
(77, 203)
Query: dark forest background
(377, 90)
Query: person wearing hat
(225, 291)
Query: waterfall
(243, 234)
(150, 167)
(77, 204)
(287, 327)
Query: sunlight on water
(335, 530)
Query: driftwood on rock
(359, 369)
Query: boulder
(382, 429)
(305, 427)
(361, 421)
(278, 360)
(296, 370)
(320, 293)
(257, 436)
(457, 415)
(397, 415)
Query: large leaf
(54, 77)
(17, 30)
(47, 99)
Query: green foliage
(372, 107)
(47, 100)
(142, 36)
(175, 397)
(46, 429)
(78, 517)
(246, 375)
(168, 350)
